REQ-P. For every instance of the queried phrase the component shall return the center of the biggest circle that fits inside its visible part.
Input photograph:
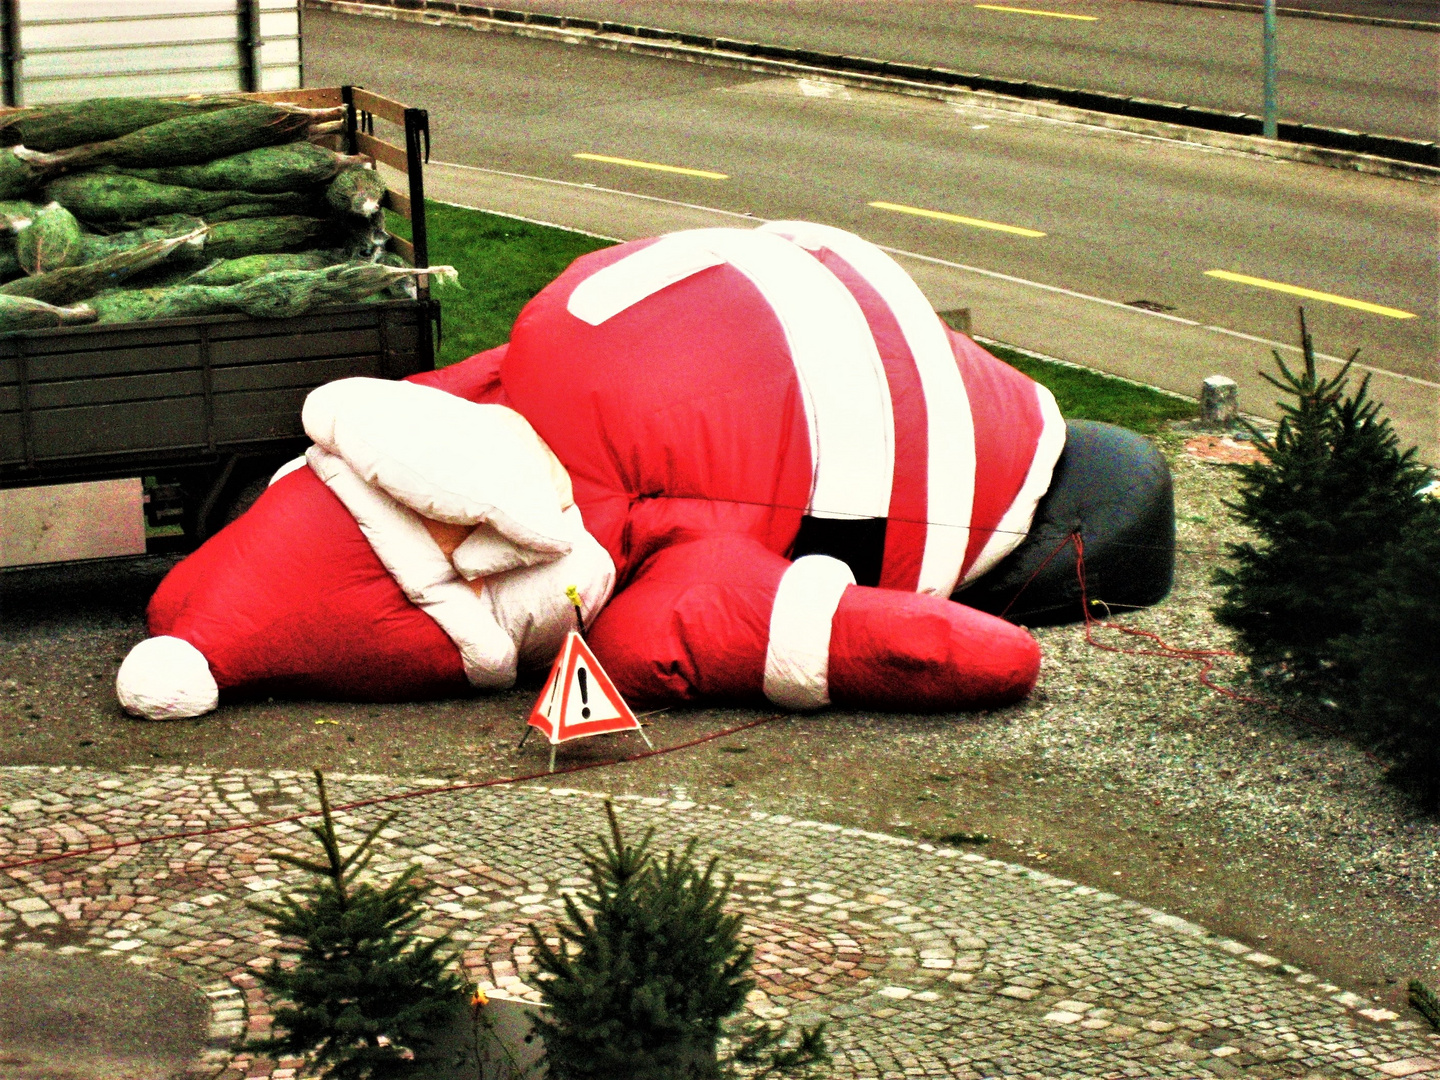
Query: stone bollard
(1219, 400)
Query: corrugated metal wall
(59, 50)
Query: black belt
(858, 543)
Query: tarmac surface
(1350, 75)
(925, 960)
(1132, 223)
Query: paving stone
(923, 961)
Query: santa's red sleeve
(476, 378)
(725, 617)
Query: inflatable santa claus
(762, 460)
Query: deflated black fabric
(860, 545)
(1114, 487)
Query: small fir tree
(639, 987)
(1394, 696)
(1334, 495)
(364, 993)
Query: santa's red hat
(423, 546)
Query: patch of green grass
(1088, 395)
(502, 263)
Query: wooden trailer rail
(361, 108)
(212, 401)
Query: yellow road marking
(1311, 294)
(704, 174)
(940, 215)
(1032, 11)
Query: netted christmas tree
(1336, 493)
(642, 982)
(365, 993)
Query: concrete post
(1219, 400)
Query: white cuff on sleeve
(797, 659)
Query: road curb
(1393, 157)
(1304, 13)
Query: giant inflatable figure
(768, 468)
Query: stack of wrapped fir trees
(119, 209)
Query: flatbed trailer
(204, 409)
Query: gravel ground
(1120, 771)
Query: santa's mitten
(908, 652)
(725, 617)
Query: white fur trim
(289, 467)
(166, 678)
(1015, 522)
(485, 552)
(530, 602)
(420, 568)
(950, 430)
(445, 458)
(797, 658)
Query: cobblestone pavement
(926, 961)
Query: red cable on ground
(1203, 656)
(191, 834)
(1206, 657)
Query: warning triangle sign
(579, 699)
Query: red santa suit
(723, 401)
(714, 392)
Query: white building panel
(83, 48)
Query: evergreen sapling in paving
(647, 972)
(364, 988)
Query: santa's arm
(724, 617)
(474, 379)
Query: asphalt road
(1365, 78)
(1122, 217)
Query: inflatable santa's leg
(725, 617)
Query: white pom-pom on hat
(165, 678)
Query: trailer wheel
(233, 490)
(243, 498)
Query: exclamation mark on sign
(584, 694)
